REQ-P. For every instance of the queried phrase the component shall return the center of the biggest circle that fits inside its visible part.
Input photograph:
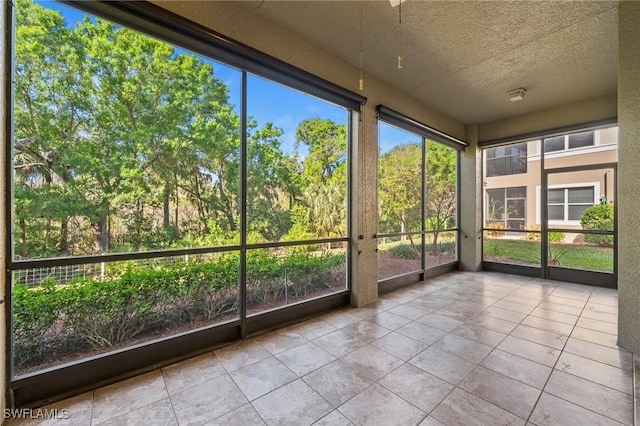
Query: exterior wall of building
(605, 150)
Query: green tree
(440, 189)
(324, 176)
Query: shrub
(598, 217)
(404, 251)
(556, 236)
(495, 228)
(55, 320)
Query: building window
(507, 160)
(568, 203)
(562, 143)
(506, 207)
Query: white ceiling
(461, 57)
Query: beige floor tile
(517, 368)
(604, 354)
(615, 378)
(192, 372)
(389, 321)
(599, 316)
(400, 346)
(504, 314)
(463, 408)
(431, 421)
(421, 332)
(598, 325)
(508, 394)
(312, 329)
(464, 348)
(295, 404)
(208, 401)
(555, 298)
(555, 316)
(548, 325)
(443, 365)
(305, 358)
(341, 318)
(334, 418)
(515, 307)
(543, 337)
(262, 377)
(553, 411)
(280, 340)
(479, 334)
(371, 362)
(593, 336)
(122, 397)
(530, 350)
(592, 396)
(241, 354)
(339, 343)
(366, 330)
(243, 416)
(593, 306)
(557, 307)
(528, 300)
(416, 386)
(337, 382)
(440, 322)
(159, 413)
(493, 323)
(408, 312)
(378, 406)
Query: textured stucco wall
(471, 203)
(242, 23)
(600, 108)
(5, 79)
(628, 178)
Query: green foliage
(556, 236)
(54, 320)
(123, 142)
(598, 217)
(404, 251)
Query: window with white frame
(567, 204)
(506, 207)
(566, 142)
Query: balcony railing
(508, 165)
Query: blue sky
(390, 136)
(266, 101)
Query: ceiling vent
(516, 95)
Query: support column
(364, 214)
(628, 203)
(471, 203)
(5, 143)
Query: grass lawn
(575, 256)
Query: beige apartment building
(512, 179)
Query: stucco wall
(629, 180)
(600, 108)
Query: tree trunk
(100, 234)
(64, 236)
(166, 196)
(22, 224)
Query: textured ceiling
(461, 57)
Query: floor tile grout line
(173, 410)
(554, 367)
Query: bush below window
(54, 321)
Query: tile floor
(466, 348)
